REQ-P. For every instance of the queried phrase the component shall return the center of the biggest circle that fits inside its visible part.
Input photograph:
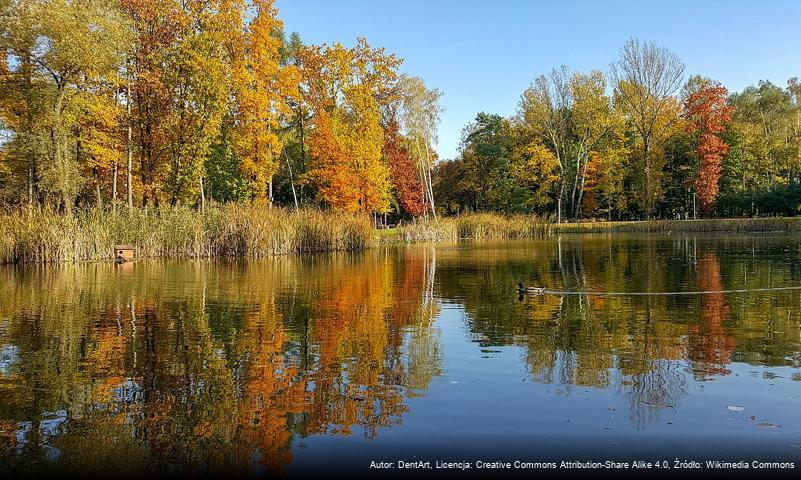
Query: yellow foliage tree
(262, 89)
(537, 168)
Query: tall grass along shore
(734, 225)
(42, 235)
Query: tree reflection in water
(220, 366)
(211, 366)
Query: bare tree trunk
(428, 191)
(59, 156)
(422, 174)
(561, 194)
(30, 185)
(429, 182)
(129, 148)
(114, 175)
(115, 167)
(583, 178)
(574, 190)
(648, 200)
(292, 181)
(98, 196)
(202, 196)
(302, 153)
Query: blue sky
(483, 54)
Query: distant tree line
(638, 143)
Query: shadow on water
(244, 367)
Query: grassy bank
(473, 226)
(41, 235)
(478, 226)
(733, 225)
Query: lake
(421, 352)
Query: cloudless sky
(483, 54)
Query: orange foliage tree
(346, 89)
(156, 24)
(708, 114)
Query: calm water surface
(421, 352)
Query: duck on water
(524, 290)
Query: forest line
(149, 103)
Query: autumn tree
(156, 25)
(762, 123)
(23, 101)
(99, 116)
(646, 76)
(794, 88)
(65, 46)
(346, 88)
(295, 140)
(605, 181)
(597, 130)
(195, 78)
(263, 88)
(707, 114)
(535, 169)
(571, 115)
(544, 109)
(404, 172)
(420, 114)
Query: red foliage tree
(405, 178)
(708, 114)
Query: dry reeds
(734, 225)
(474, 226)
(42, 235)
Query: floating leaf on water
(736, 408)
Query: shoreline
(41, 235)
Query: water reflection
(224, 366)
(209, 366)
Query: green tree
(486, 153)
